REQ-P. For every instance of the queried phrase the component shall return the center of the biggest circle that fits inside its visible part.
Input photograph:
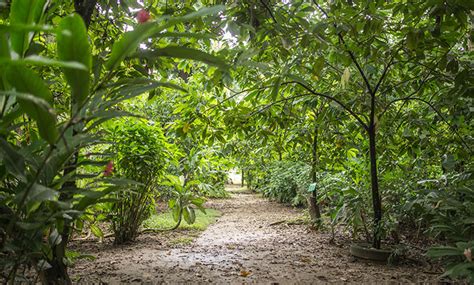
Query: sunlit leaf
(184, 53)
(26, 12)
(73, 46)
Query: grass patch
(186, 240)
(165, 221)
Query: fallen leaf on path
(244, 273)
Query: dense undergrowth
(438, 210)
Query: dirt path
(241, 247)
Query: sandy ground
(241, 247)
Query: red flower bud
(109, 168)
(143, 16)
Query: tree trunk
(243, 177)
(85, 8)
(313, 206)
(376, 201)
(57, 273)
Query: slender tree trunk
(376, 201)
(243, 177)
(313, 206)
(57, 273)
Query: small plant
(181, 204)
(459, 259)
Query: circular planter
(366, 251)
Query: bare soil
(241, 247)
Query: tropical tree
(370, 59)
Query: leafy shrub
(347, 198)
(286, 182)
(445, 208)
(459, 260)
(142, 154)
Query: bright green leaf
(73, 46)
(25, 12)
(25, 80)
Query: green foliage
(345, 194)
(142, 154)
(446, 207)
(74, 46)
(25, 13)
(26, 81)
(447, 204)
(184, 200)
(458, 258)
(286, 182)
(39, 196)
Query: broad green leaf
(4, 48)
(176, 212)
(25, 80)
(42, 61)
(25, 28)
(318, 66)
(14, 161)
(129, 43)
(25, 12)
(38, 193)
(140, 86)
(443, 251)
(276, 89)
(185, 53)
(412, 40)
(73, 46)
(198, 201)
(55, 238)
(94, 197)
(171, 203)
(345, 77)
(185, 35)
(174, 179)
(96, 231)
(189, 215)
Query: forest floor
(247, 244)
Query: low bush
(141, 154)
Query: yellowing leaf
(186, 128)
(345, 77)
(245, 273)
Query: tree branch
(337, 101)
(277, 102)
(269, 10)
